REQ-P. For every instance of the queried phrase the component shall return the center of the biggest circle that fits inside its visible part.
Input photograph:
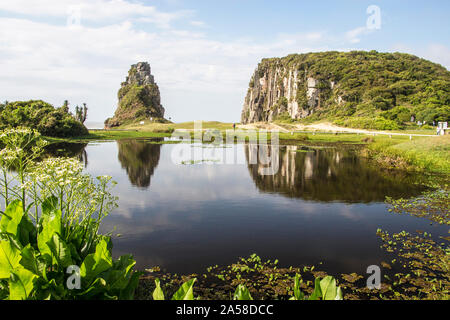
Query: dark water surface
(323, 205)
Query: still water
(323, 205)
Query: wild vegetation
(50, 247)
(41, 116)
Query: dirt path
(321, 127)
(263, 126)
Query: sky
(202, 52)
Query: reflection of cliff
(330, 175)
(139, 158)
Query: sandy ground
(323, 127)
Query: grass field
(429, 154)
(155, 127)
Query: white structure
(442, 128)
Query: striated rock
(139, 98)
(278, 90)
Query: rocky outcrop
(340, 85)
(280, 91)
(139, 98)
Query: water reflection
(68, 150)
(139, 158)
(329, 174)
(195, 216)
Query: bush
(41, 116)
(378, 123)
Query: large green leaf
(9, 258)
(158, 294)
(51, 225)
(339, 295)
(21, 284)
(186, 291)
(128, 292)
(26, 231)
(96, 263)
(50, 204)
(242, 293)
(11, 218)
(60, 250)
(317, 293)
(119, 276)
(328, 288)
(31, 261)
(94, 291)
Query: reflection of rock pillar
(309, 166)
(252, 151)
(139, 159)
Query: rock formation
(278, 90)
(342, 85)
(139, 98)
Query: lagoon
(322, 207)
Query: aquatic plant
(185, 292)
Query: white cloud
(354, 35)
(197, 23)
(93, 10)
(199, 77)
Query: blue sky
(202, 53)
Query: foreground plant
(50, 247)
(43, 265)
(324, 289)
(185, 292)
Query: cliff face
(139, 97)
(346, 84)
(278, 91)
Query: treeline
(43, 117)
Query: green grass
(149, 126)
(428, 154)
(95, 135)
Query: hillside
(358, 89)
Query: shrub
(41, 116)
